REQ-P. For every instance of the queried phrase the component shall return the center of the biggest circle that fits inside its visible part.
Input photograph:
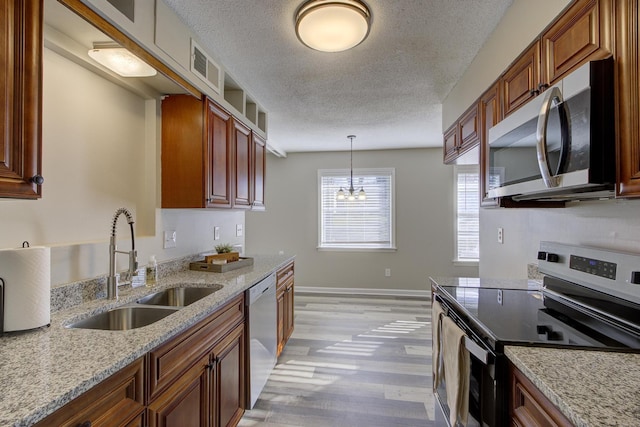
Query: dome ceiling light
(332, 25)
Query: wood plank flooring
(351, 361)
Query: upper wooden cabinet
(583, 32)
(521, 81)
(490, 114)
(209, 159)
(628, 97)
(462, 137)
(21, 106)
(242, 166)
(259, 159)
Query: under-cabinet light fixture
(332, 25)
(120, 60)
(351, 195)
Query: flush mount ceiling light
(332, 25)
(352, 195)
(120, 60)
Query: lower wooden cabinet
(285, 304)
(196, 379)
(210, 393)
(529, 407)
(117, 401)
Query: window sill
(355, 249)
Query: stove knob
(635, 277)
(553, 258)
(542, 255)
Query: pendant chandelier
(351, 194)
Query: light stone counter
(43, 369)
(591, 388)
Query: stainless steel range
(590, 299)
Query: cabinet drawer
(172, 359)
(285, 274)
(116, 401)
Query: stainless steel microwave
(561, 144)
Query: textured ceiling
(388, 90)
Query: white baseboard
(364, 291)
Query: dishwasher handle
(263, 287)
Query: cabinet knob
(37, 179)
(534, 92)
(542, 87)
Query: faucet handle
(133, 263)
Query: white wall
(609, 224)
(100, 152)
(424, 224)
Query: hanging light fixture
(332, 25)
(351, 195)
(120, 60)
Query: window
(467, 200)
(356, 224)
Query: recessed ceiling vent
(204, 67)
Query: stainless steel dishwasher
(261, 300)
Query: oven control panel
(596, 267)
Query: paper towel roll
(27, 287)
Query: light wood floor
(352, 361)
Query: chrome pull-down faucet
(112, 279)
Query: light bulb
(361, 194)
(340, 195)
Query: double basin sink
(146, 310)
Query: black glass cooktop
(530, 317)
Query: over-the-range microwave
(561, 144)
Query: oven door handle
(478, 352)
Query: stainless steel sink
(124, 318)
(178, 297)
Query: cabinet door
(21, 106)
(582, 33)
(520, 81)
(281, 321)
(628, 97)
(451, 142)
(228, 379)
(186, 402)
(242, 165)
(489, 117)
(259, 167)
(288, 312)
(116, 401)
(469, 129)
(219, 166)
(529, 407)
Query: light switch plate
(216, 233)
(238, 230)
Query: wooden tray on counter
(221, 268)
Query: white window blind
(467, 213)
(357, 224)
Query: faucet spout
(112, 279)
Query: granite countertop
(43, 369)
(591, 388)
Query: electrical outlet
(169, 239)
(500, 235)
(216, 233)
(387, 272)
(238, 230)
